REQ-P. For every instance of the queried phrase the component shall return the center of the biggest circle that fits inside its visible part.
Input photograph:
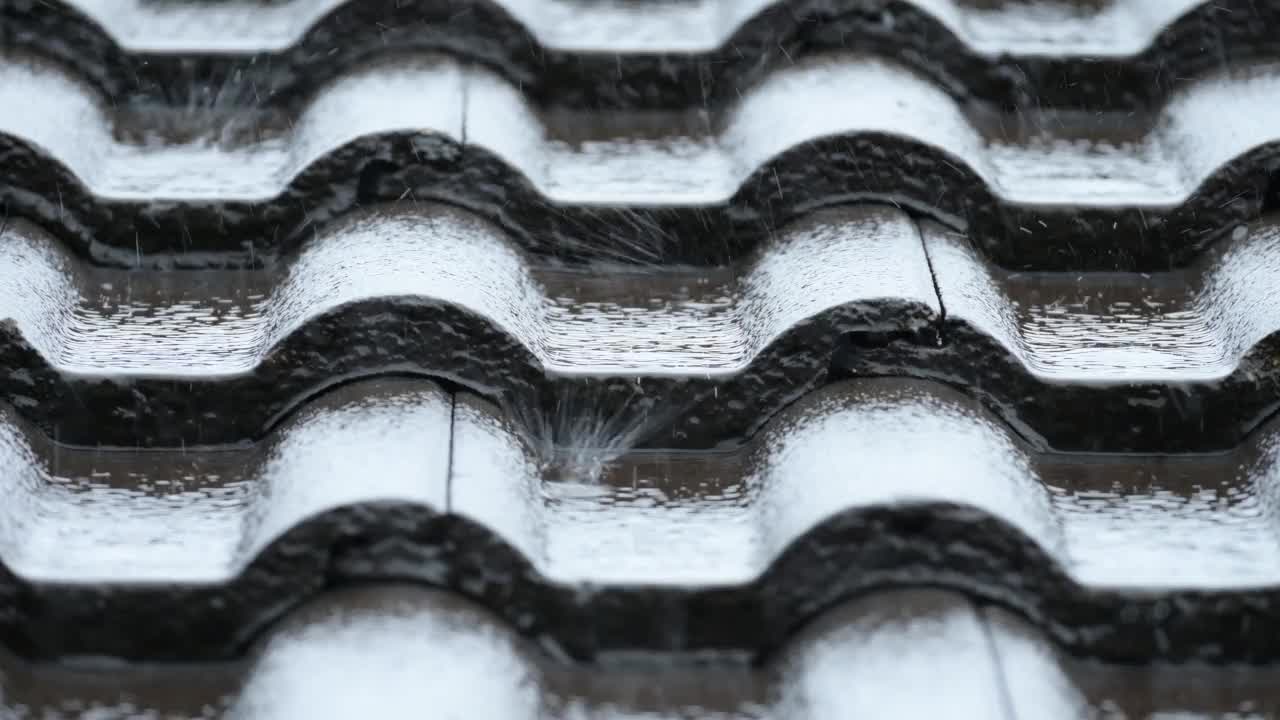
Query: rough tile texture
(622, 360)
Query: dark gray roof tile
(703, 358)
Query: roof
(595, 359)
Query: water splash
(582, 428)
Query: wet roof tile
(695, 359)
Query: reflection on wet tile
(875, 657)
(1109, 27)
(601, 516)
(1192, 325)
(1115, 521)
(605, 321)
(1045, 683)
(85, 516)
(1184, 522)
(676, 168)
(640, 510)
(395, 651)
(600, 512)
(723, 518)
(1189, 325)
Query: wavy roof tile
(692, 359)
